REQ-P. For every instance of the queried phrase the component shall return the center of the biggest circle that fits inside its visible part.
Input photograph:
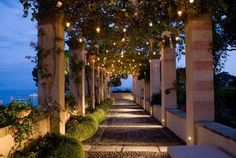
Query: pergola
(92, 48)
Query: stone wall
(41, 126)
(120, 96)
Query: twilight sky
(16, 33)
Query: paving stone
(129, 132)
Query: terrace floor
(129, 132)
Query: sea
(29, 96)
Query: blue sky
(16, 33)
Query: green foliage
(99, 114)
(180, 86)
(52, 146)
(18, 116)
(116, 82)
(81, 128)
(156, 99)
(70, 101)
(84, 127)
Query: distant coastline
(6, 96)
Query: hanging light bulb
(191, 1)
(80, 40)
(59, 4)
(114, 43)
(177, 38)
(147, 43)
(151, 24)
(98, 30)
(124, 30)
(154, 53)
(107, 51)
(180, 13)
(98, 59)
(67, 24)
(123, 40)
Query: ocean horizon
(8, 95)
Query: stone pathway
(129, 132)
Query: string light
(59, 4)
(191, 1)
(154, 53)
(124, 30)
(98, 59)
(114, 43)
(98, 30)
(177, 38)
(147, 43)
(80, 40)
(107, 51)
(67, 24)
(180, 13)
(123, 40)
(150, 24)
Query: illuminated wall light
(93, 61)
(67, 24)
(189, 138)
(98, 30)
(163, 120)
(180, 13)
(59, 4)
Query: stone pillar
(101, 84)
(134, 87)
(92, 80)
(155, 77)
(97, 85)
(77, 79)
(168, 78)
(147, 96)
(143, 95)
(51, 83)
(199, 74)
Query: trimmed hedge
(84, 127)
(52, 146)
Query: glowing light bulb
(133, 60)
(180, 13)
(98, 59)
(114, 43)
(123, 40)
(107, 51)
(98, 30)
(93, 61)
(150, 61)
(59, 4)
(177, 38)
(154, 53)
(147, 43)
(191, 1)
(80, 40)
(67, 24)
(124, 30)
(189, 138)
(150, 24)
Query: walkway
(129, 132)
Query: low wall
(221, 136)
(176, 122)
(41, 126)
(156, 112)
(125, 96)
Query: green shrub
(52, 146)
(81, 128)
(99, 115)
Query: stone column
(168, 78)
(92, 80)
(143, 96)
(147, 96)
(97, 90)
(101, 84)
(155, 77)
(51, 83)
(77, 84)
(199, 74)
